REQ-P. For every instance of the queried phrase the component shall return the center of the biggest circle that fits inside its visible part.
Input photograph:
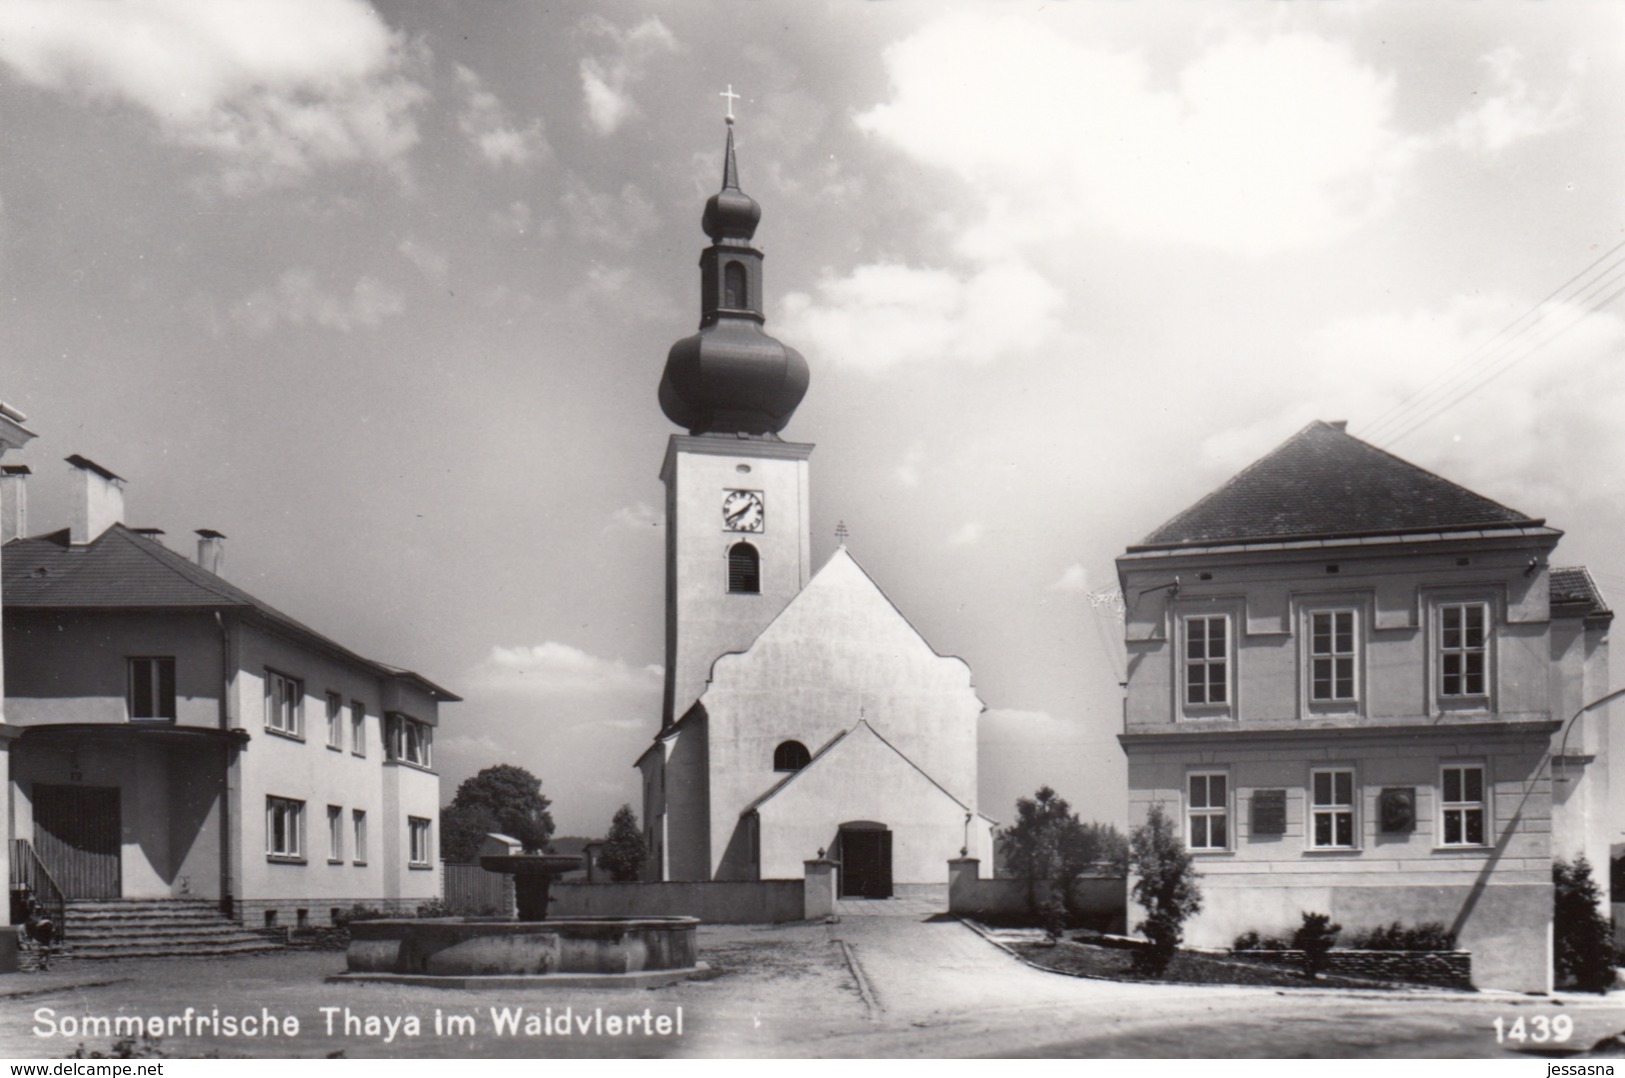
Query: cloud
(638, 517)
(618, 219)
(298, 299)
(272, 89)
(553, 669)
(1507, 112)
(518, 219)
(1506, 414)
(483, 746)
(967, 534)
(1074, 578)
(908, 472)
(607, 80)
(486, 123)
(1258, 145)
(887, 315)
(430, 262)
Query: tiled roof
(1325, 483)
(1574, 587)
(122, 570)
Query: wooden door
(77, 837)
(865, 863)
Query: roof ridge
(1323, 481)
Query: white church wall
(863, 779)
(840, 653)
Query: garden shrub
(1429, 936)
(1252, 941)
(1583, 953)
(1316, 936)
(1165, 885)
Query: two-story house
(1352, 682)
(180, 738)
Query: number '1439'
(1537, 1029)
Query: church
(803, 716)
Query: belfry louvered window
(744, 570)
(733, 287)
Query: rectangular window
(284, 704)
(152, 688)
(335, 721)
(418, 832)
(409, 740)
(1207, 659)
(1209, 812)
(358, 728)
(1331, 809)
(1463, 654)
(284, 828)
(1331, 656)
(335, 835)
(1462, 805)
(358, 820)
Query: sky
(384, 294)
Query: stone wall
(1101, 896)
(1446, 969)
(743, 902)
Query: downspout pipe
(228, 752)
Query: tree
(1047, 846)
(503, 798)
(1582, 952)
(624, 851)
(1165, 885)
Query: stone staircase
(156, 928)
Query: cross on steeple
(840, 532)
(732, 97)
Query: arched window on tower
(744, 570)
(733, 287)
(791, 756)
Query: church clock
(742, 511)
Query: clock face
(742, 511)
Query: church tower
(737, 543)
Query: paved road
(868, 986)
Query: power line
(1492, 376)
(1399, 414)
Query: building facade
(180, 738)
(803, 716)
(1361, 689)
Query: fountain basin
(468, 952)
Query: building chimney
(100, 504)
(154, 534)
(211, 550)
(14, 501)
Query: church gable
(840, 626)
(837, 653)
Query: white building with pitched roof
(1361, 690)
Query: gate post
(818, 891)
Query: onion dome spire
(730, 377)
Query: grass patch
(1082, 959)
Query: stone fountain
(469, 952)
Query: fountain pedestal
(472, 952)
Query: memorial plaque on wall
(1396, 810)
(1269, 812)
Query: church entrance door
(865, 861)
